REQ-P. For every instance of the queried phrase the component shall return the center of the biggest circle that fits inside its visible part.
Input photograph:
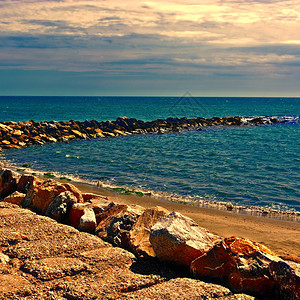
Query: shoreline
(281, 235)
(164, 197)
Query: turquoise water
(244, 165)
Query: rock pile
(242, 265)
(22, 134)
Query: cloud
(152, 37)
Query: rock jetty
(57, 249)
(23, 134)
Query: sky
(147, 48)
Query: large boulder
(42, 194)
(8, 182)
(60, 207)
(287, 279)
(140, 232)
(179, 240)
(241, 264)
(116, 221)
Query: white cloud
(173, 35)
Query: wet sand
(282, 237)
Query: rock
(8, 182)
(78, 134)
(4, 259)
(26, 183)
(179, 240)
(89, 196)
(115, 223)
(287, 278)
(15, 198)
(43, 194)
(140, 232)
(60, 207)
(75, 191)
(76, 213)
(216, 264)
(187, 288)
(51, 268)
(87, 222)
(241, 264)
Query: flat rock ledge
(23, 134)
(71, 245)
(48, 260)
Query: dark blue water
(245, 165)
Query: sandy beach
(282, 237)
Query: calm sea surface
(245, 165)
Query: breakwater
(23, 134)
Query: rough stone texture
(116, 221)
(75, 191)
(49, 260)
(15, 198)
(183, 288)
(215, 264)
(251, 273)
(26, 183)
(244, 266)
(8, 182)
(60, 207)
(179, 240)
(50, 268)
(287, 278)
(87, 222)
(140, 232)
(4, 259)
(76, 212)
(43, 194)
(90, 196)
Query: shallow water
(244, 165)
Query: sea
(246, 166)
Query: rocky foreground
(73, 245)
(22, 134)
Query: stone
(43, 194)
(52, 268)
(8, 182)
(241, 264)
(76, 212)
(4, 259)
(87, 222)
(178, 240)
(78, 134)
(75, 191)
(13, 284)
(15, 198)
(214, 264)
(60, 207)
(89, 196)
(116, 221)
(140, 232)
(26, 183)
(287, 278)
